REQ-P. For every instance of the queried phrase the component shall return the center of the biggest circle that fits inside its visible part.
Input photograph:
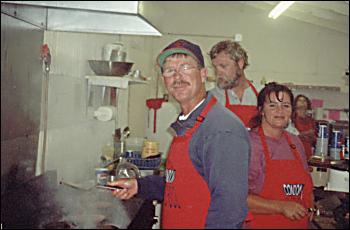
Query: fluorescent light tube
(280, 8)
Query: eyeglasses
(184, 69)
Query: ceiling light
(280, 8)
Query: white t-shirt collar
(184, 117)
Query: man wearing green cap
(206, 180)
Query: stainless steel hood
(115, 17)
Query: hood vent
(114, 17)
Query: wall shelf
(313, 87)
(118, 82)
(121, 82)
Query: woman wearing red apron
(280, 186)
(305, 124)
(229, 60)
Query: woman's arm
(289, 209)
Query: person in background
(305, 124)
(233, 89)
(280, 185)
(206, 176)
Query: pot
(109, 48)
(118, 55)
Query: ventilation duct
(115, 17)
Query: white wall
(283, 50)
(75, 138)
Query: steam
(87, 209)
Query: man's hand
(129, 188)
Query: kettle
(126, 169)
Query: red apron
(284, 180)
(186, 197)
(244, 112)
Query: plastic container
(135, 158)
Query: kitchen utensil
(117, 134)
(118, 55)
(126, 170)
(320, 212)
(109, 48)
(110, 68)
(154, 103)
(110, 163)
(126, 133)
(119, 144)
(108, 187)
(85, 186)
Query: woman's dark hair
(306, 99)
(269, 88)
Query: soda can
(322, 131)
(336, 139)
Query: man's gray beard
(229, 84)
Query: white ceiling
(333, 15)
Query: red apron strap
(290, 143)
(250, 85)
(202, 115)
(253, 88)
(264, 144)
(227, 101)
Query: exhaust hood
(114, 17)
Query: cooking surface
(40, 203)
